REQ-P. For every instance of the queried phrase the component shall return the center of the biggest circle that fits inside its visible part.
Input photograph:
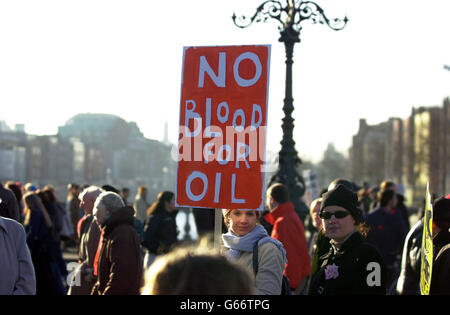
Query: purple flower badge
(331, 272)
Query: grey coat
(270, 268)
(17, 274)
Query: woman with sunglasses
(352, 266)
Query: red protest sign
(223, 119)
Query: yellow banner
(427, 246)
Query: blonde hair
(141, 189)
(386, 184)
(196, 271)
(313, 206)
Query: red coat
(289, 230)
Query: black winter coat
(355, 273)
(160, 232)
(440, 278)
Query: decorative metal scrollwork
(290, 15)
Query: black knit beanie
(345, 198)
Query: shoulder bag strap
(255, 258)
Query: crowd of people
(362, 243)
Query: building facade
(410, 152)
(90, 149)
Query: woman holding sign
(244, 238)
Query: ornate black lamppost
(290, 14)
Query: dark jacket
(440, 278)
(42, 245)
(387, 234)
(160, 232)
(441, 264)
(356, 275)
(408, 282)
(39, 235)
(56, 218)
(403, 210)
(120, 260)
(440, 240)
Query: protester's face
(394, 201)
(87, 204)
(338, 229)
(242, 221)
(392, 187)
(170, 206)
(100, 213)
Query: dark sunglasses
(337, 214)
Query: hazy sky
(60, 58)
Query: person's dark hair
(387, 184)
(73, 186)
(16, 190)
(110, 188)
(51, 190)
(322, 192)
(279, 193)
(49, 195)
(42, 196)
(385, 196)
(441, 212)
(125, 190)
(158, 205)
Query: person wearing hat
(352, 266)
(440, 278)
